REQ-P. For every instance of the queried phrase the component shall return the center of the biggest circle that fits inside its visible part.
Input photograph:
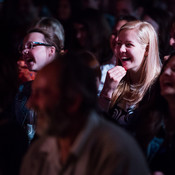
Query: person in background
(43, 41)
(172, 33)
(64, 11)
(92, 32)
(75, 139)
(160, 19)
(137, 67)
(127, 7)
(12, 11)
(156, 127)
(120, 21)
(90, 60)
(171, 30)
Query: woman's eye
(118, 44)
(128, 45)
(29, 46)
(34, 45)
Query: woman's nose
(167, 71)
(172, 41)
(25, 51)
(122, 48)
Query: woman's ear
(146, 51)
(52, 51)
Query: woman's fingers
(116, 73)
(113, 78)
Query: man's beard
(54, 122)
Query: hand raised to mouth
(113, 78)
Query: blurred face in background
(80, 34)
(172, 36)
(44, 98)
(167, 80)
(64, 9)
(53, 115)
(117, 27)
(148, 19)
(123, 7)
(94, 4)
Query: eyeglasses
(31, 45)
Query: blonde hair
(131, 94)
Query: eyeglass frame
(32, 45)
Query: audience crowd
(87, 87)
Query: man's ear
(146, 51)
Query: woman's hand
(113, 78)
